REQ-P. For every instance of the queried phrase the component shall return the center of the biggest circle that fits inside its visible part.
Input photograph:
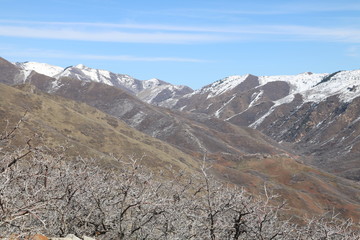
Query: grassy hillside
(81, 129)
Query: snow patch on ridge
(277, 103)
(221, 86)
(42, 68)
(26, 74)
(225, 84)
(55, 85)
(151, 83)
(84, 73)
(87, 73)
(217, 113)
(344, 83)
(255, 97)
(298, 83)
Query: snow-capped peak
(148, 90)
(223, 85)
(298, 83)
(81, 66)
(346, 84)
(152, 83)
(88, 74)
(42, 68)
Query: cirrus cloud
(173, 34)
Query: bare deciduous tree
(41, 192)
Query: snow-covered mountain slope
(319, 113)
(160, 93)
(153, 91)
(43, 68)
(298, 83)
(87, 74)
(222, 86)
(312, 88)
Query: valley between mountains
(298, 135)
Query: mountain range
(298, 134)
(152, 91)
(316, 113)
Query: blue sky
(188, 42)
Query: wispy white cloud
(88, 26)
(41, 53)
(294, 8)
(174, 34)
(305, 33)
(107, 35)
(256, 9)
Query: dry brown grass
(82, 130)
